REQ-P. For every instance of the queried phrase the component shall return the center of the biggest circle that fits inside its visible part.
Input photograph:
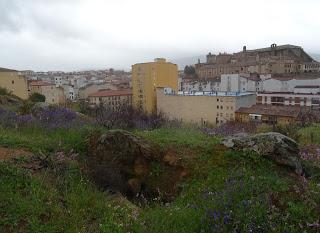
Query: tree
(190, 70)
(37, 97)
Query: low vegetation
(223, 191)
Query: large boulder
(123, 162)
(275, 146)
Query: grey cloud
(41, 17)
(10, 16)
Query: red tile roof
(107, 93)
(40, 83)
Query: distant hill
(315, 56)
(182, 62)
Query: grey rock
(275, 146)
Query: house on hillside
(112, 99)
(53, 94)
(14, 82)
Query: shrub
(291, 131)
(125, 117)
(37, 97)
(4, 91)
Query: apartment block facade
(202, 107)
(113, 100)
(146, 77)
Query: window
(217, 106)
(221, 107)
(12, 81)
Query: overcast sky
(81, 34)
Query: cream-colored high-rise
(147, 77)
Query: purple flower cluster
(52, 118)
(7, 118)
(231, 128)
(10, 119)
(48, 118)
(232, 209)
(311, 153)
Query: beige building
(14, 83)
(273, 114)
(86, 91)
(112, 99)
(272, 60)
(202, 107)
(53, 94)
(146, 77)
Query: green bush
(4, 91)
(37, 97)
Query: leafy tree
(190, 70)
(36, 97)
(4, 91)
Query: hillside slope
(47, 190)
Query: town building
(239, 83)
(58, 81)
(70, 92)
(272, 60)
(207, 108)
(199, 85)
(86, 91)
(14, 82)
(114, 100)
(271, 114)
(146, 77)
(289, 98)
(53, 94)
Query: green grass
(310, 135)
(238, 191)
(37, 139)
(181, 137)
(223, 191)
(67, 203)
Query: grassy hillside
(224, 191)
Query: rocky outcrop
(121, 161)
(274, 146)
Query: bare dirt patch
(8, 154)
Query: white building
(70, 92)
(205, 85)
(238, 83)
(58, 81)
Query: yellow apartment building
(147, 77)
(14, 82)
(53, 94)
